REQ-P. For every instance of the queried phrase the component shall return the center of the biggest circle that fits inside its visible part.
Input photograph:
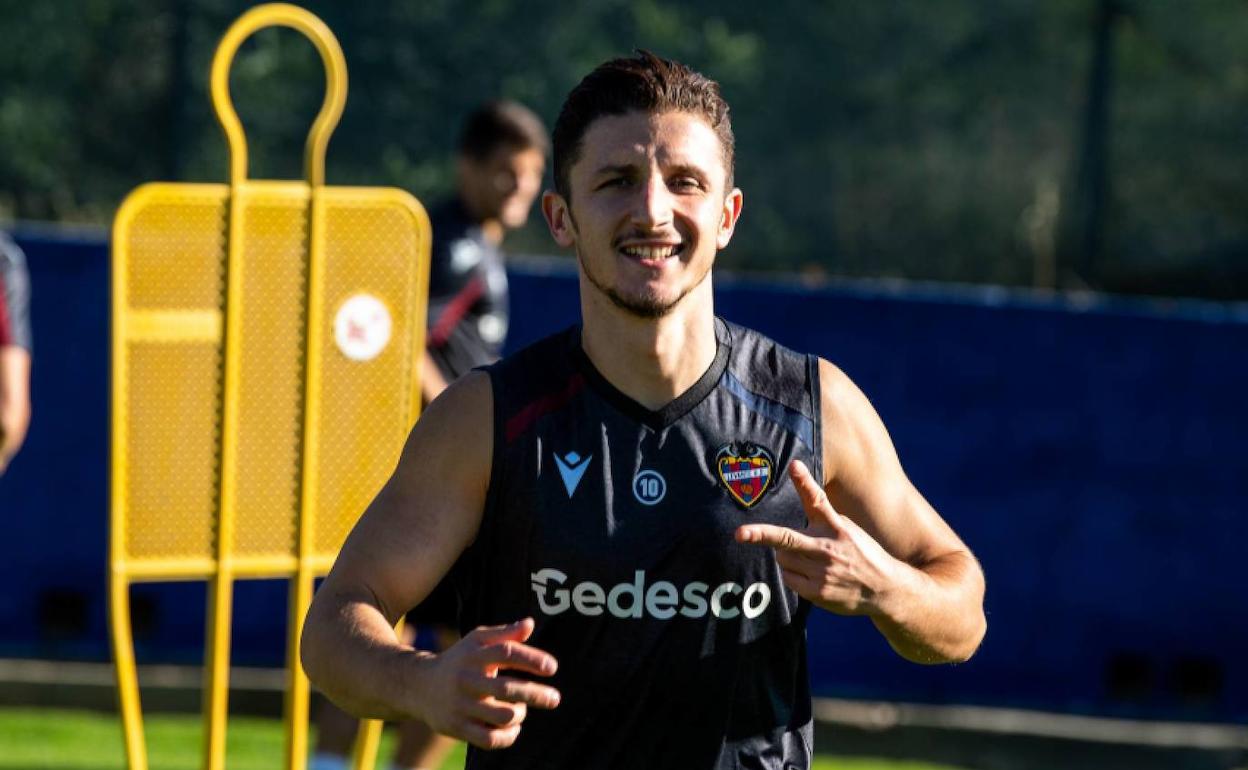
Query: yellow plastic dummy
(266, 340)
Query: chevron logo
(572, 469)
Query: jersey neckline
(669, 413)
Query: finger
(519, 631)
(814, 498)
(801, 584)
(492, 713)
(801, 562)
(781, 538)
(485, 737)
(517, 656)
(512, 690)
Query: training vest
(612, 526)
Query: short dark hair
(502, 124)
(644, 82)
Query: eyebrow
(619, 168)
(627, 169)
(691, 170)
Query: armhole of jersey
(468, 570)
(497, 453)
(816, 408)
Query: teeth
(651, 252)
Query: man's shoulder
(538, 361)
(537, 376)
(752, 341)
(763, 365)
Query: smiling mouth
(652, 253)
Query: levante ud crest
(745, 470)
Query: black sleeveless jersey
(612, 525)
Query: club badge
(745, 469)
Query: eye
(614, 182)
(686, 184)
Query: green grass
(41, 739)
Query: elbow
(975, 620)
(950, 650)
(957, 631)
(975, 624)
(310, 653)
(971, 641)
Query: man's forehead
(679, 137)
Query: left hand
(832, 563)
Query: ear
(559, 219)
(728, 218)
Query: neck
(492, 231)
(491, 226)
(650, 360)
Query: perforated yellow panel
(271, 379)
(170, 323)
(364, 420)
(172, 398)
(172, 285)
(176, 257)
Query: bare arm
(875, 546)
(14, 401)
(432, 383)
(403, 545)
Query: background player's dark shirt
(467, 293)
(595, 501)
(14, 295)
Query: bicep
(429, 510)
(865, 481)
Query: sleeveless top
(612, 526)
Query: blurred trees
(930, 139)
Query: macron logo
(571, 469)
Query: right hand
(470, 701)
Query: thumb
(818, 508)
(518, 631)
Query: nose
(529, 183)
(652, 207)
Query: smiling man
(639, 512)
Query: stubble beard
(648, 308)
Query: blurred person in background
(14, 350)
(499, 168)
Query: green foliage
(928, 139)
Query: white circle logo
(649, 487)
(362, 327)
